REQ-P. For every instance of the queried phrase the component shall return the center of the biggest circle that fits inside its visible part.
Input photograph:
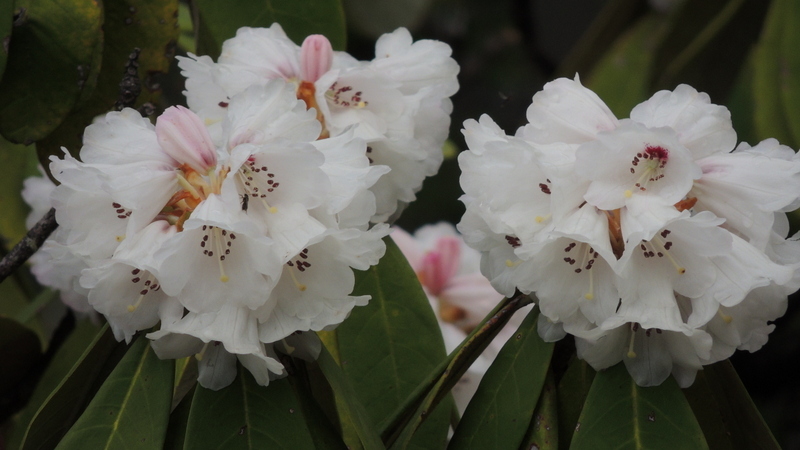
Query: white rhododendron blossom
(399, 101)
(234, 243)
(459, 294)
(654, 240)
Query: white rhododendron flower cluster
(400, 100)
(449, 272)
(653, 240)
(236, 224)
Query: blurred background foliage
(744, 53)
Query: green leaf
(725, 411)
(51, 58)
(245, 415)
(70, 351)
(151, 26)
(501, 409)
(572, 391)
(543, 430)
(322, 431)
(131, 409)
(768, 82)
(619, 414)
(73, 393)
(178, 421)
(628, 64)
(6, 16)
(404, 422)
(20, 352)
(351, 410)
(390, 346)
(299, 18)
(14, 163)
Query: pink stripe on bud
(183, 136)
(316, 57)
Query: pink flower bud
(316, 57)
(183, 136)
(440, 265)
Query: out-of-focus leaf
(20, 351)
(606, 28)
(351, 410)
(572, 391)
(64, 404)
(628, 64)
(742, 104)
(789, 63)
(375, 17)
(6, 16)
(770, 117)
(51, 59)
(390, 346)
(83, 334)
(620, 414)
(501, 409)
(151, 26)
(725, 411)
(245, 415)
(131, 409)
(299, 18)
(185, 379)
(706, 45)
(543, 430)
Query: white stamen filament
(725, 318)
(133, 307)
(300, 286)
(289, 348)
(681, 270)
(631, 353)
(199, 355)
(218, 246)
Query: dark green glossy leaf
(299, 18)
(391, 345)
(618, 414)
(501, 409)
(628, 64)
(20, 351)
(151, 26)
(322, 431)
(353, 415)
(245, 415)
(131, 409)
(768, 81)
(69, 352)
(404, 422)
(64, 404)
(51, 59)
(373, 18)
(178, 421)
(572, 391)
(725, 411)
(543, 430)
